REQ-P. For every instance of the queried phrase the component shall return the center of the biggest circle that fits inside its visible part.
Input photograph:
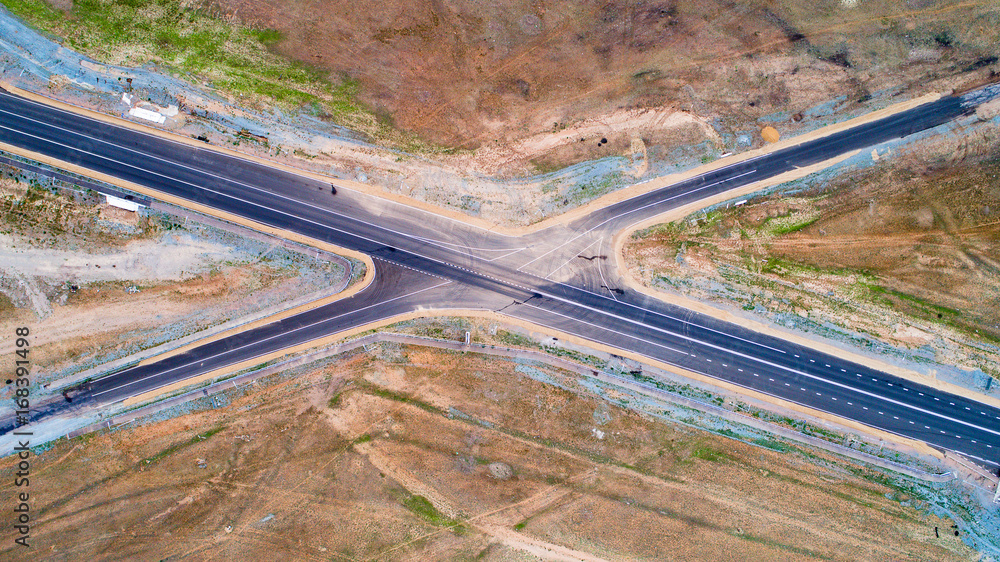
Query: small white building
(148, 115)
(122, 203)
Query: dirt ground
(908, 252)
(540, 83)
(484, 108)
(95, 283)
(422, 454)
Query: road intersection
(562, 277)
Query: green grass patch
(192, 38)
(930, 307)
(173, 449)
(772, 444)
(398, 397)
(710, 454)
(426, 510)
(780, 229)
(787, 548)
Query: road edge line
(708, 309)
(652, 184)
(147, 397)
(228, 217)
(616, 196)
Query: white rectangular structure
(147, 115)
(122, 203)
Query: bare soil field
(907, 252)
(417, 454)
(486, 75)
(516, 87)
(510, 113)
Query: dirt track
(296, 478)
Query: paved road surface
(563, 277)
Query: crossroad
(563, 277)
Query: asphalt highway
(557, 278)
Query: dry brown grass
(908, 251)
(473, 74)
(337, 453)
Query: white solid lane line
(817, 378)
(251, 204)
(203, 359)
(667, 316)
(237, 157)
(565, 263)
(599, 328)
(442, 245)
(785, 368)
(653, 204)
(226, 195)
(791, 370)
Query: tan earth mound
(470, 74)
